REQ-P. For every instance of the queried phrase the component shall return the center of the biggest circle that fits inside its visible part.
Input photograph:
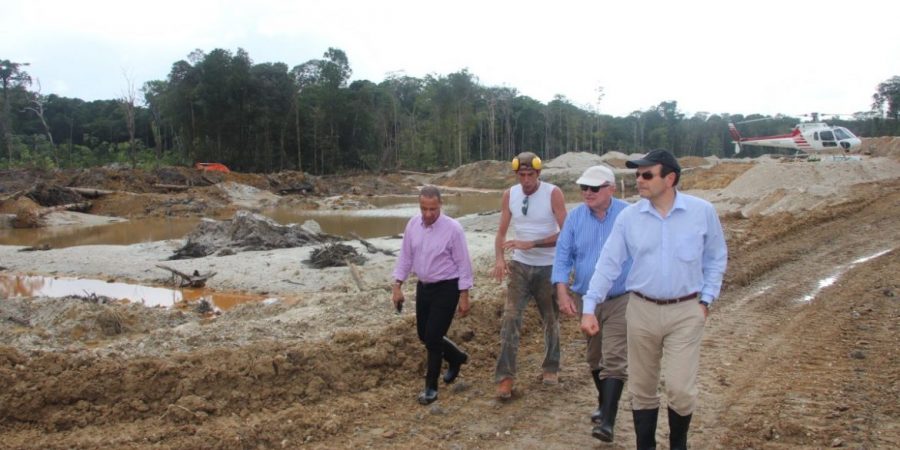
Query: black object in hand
(399, 306)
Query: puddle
(387, 219)
(831, 279)
(38, 286)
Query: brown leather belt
(668, 301)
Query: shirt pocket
(690, 248)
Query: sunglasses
(645, 175)
(525, 206)
(585, 187)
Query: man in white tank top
(536, 210)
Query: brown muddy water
(387, 218)
(40, 286)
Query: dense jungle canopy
(263, 117)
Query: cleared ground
(800, 352)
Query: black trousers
(435, 306)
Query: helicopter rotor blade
(753, 120)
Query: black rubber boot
(432, 371)
(645, 428)
(678, 430)
(597, 416)
(612, 390)
(428, 395)
(455, 359)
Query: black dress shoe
(428, 396)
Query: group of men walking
(641, 276)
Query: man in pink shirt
(434, 247)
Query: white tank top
(537, 224)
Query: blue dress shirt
(579, 244)
(673, 256)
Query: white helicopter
(806, 137)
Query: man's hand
(519, 245)
(500, 270)
(463, 308)
(564, 300)
(397, 296)
(589, 324)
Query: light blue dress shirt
(579, 244)
(673, 256)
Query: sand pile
(770, 187)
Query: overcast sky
(751, 56)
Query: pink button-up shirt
(435, 253)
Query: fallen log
(195, 280)
(90, 192)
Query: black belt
(433, 283)
(668, 301)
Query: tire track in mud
(766, 347)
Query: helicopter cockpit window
(841, 134)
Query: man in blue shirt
(679, 255)
(583, 234)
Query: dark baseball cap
(658, 156)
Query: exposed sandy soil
(788, 361)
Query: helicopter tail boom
(736, 136)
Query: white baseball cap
(597, 176)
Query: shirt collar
(646, 207)
(422, 220)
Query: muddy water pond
(387, 218)
(41, 286)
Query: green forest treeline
(222, 107)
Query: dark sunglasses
(525, 206)
(585, 187)
(645, 175)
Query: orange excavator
(217, 167)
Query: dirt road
(800, 352)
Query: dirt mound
(692, 161)
(888, 146)
(715, 177)
(246, 231)
(366, 184)
(27, 213)
(52, 195)
(481, 174)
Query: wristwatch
(704, 303)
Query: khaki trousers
(608, 350)
(664, 336)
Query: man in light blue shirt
(583, 234)
(679, 254)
